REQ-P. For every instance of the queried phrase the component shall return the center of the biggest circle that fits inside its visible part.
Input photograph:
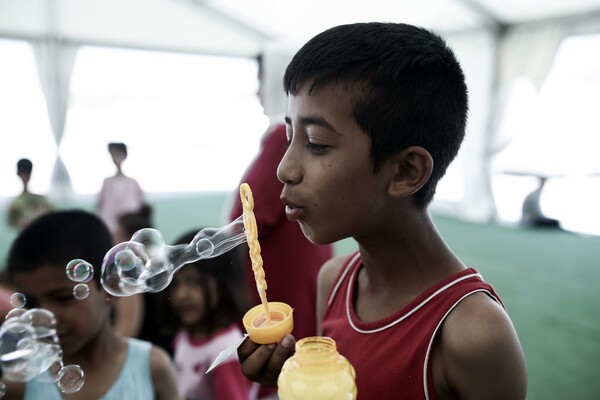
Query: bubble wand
(254, 247)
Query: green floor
(547, 279)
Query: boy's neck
(107, 341)
(411, 254)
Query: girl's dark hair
(57, 238)
(228, 273)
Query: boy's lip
(292, 211)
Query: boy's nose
(288, 171)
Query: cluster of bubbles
(29, 349)
(147, 264)
(29, 346)
(80, 271)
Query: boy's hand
(262, 363)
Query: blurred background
(176, 80)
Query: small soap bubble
(81, 291)
(18, 300)
(15, 312)
(71, 379)
(151, 239)
(2, 389)
(80, 270)
(125, 259)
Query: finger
(284, 350)
(255, 362)
(246, 348)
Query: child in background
(204, 303)
(120, 193)
(376, 113)
(115, 367)
(27, 206)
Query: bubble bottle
(317, 371)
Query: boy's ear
(412, 169)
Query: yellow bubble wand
(254, 247)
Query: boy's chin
(315, 237)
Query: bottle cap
(256, 326)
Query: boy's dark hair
(406, 84)
(24, 166)
(228, 272)
(57, 238)
(118, 146)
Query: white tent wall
(144, 24)
(226, 27)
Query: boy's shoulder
(330, 271)
(478, 339)
(163, 374)
(325, 281)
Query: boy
(115, 367)
(376, 112)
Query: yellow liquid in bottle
(317, 372)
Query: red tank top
(391, 356)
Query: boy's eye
(316, 148)
(64, 298)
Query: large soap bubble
(28, 345)
(147, 264)
(29, 349)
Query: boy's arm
(163, 375)
(480, 352)
(327, 275)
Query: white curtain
(275, 59)
(55, 61)
(523, 51)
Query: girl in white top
(205, 302)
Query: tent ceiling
(243, 27)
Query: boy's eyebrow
(313, 120)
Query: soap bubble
(43, 323)
(80, 270)
(2, 389)
(15, 312)
(81, 291)
(28, 345)
(147, 264)
(29, 350)
(126, 259)
(71, 379)
(18, 300)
